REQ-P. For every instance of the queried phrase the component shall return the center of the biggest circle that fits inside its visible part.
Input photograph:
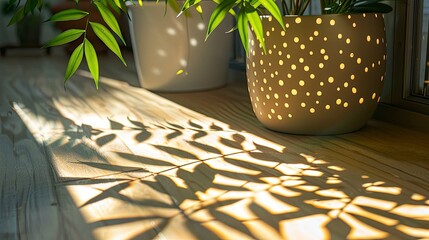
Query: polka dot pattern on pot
(317, 70)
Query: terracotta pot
(322, 75)
(171, 53)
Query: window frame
(404, 62)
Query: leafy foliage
(92, 60)
(67, 15)
(74, 61)
(106, 34)
(110, 19)
(293, 7)
(65, 37)
(353, 6)
(247, 13)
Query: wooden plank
(83, 106)
(277, 192)
(410, 175)
(379, 136)
(122, 209)
(8, 198)
(28, 207)
(51, 107)
(240, 196)
(37, 205)
(380, 148)
(229, 105)
(166, 149)
(94, 153)
(75, 156)
(127, 105)
(74, 224)
(131, 164)
(21, 83)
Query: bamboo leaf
(65, 37)
(199, 8)
(188, 4)
(9, 7)
(232, 12)
(18, 16)
(243, 26)
(11, 4)
(372, 7)
(91, 60)
(40, 5)
(255, 22)
(67, 15)
(219, 14)
(274, 10)
(109, 19)
(120, 4)
(112, 5)
(174, 5)
(104, 34)
(74, 62)
(30, 5)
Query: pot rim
(324, 15)
(134, 4)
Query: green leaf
(174, 5)
(91, 60)
(74, 62)
(30, 5)
(40, 5)
(243, 26)
(109, 19)
(232, 12)
(373, 7)
(9, 7)
(18, 16)
(199, 8)
(219, 14)
(274, 10)
(103, 33)
(112, 5)
(65, 37)
(255, 22)
(188, 4)
(67, 15)
(120, 4)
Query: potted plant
(28, 30)
(321, 74)
(170, 51)
(286, 90)
(84, 5)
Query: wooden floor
(125, 163)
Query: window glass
(420, 83)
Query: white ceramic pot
(170, 52)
